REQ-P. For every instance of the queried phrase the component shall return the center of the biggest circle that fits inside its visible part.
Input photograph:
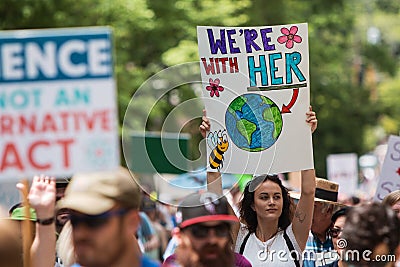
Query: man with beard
(104, 214)
(319, 247)
(204, 238)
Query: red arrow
(286, 109)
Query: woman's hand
(42, 196)
(205, 124)
(312, 119)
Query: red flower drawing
(214, 87)
(289, 37)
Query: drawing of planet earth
(253, 122)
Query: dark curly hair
(369, 225)
(249, 216)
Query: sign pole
(26, 227)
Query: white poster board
(58, 112)
(343, 169)
(256, 91)
(389, 178)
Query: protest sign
(343, 169)
(256, 90)
(389, 178)
(58, 110)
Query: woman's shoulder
(243, 232)
(243, 227)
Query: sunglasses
(335, 232)
(94, 221)
(202, 231)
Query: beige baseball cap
(98, 192)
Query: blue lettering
(217, 44)
(61, 98)
(249, 37)
(76, 97)
(262, 69)
(266, 40)
(20, 99)
(231, 42)
(273, 69)
(397, 149)
(292, 60)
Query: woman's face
(336, 232)
(396, 208)
(268, 201)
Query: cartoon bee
(218, 142)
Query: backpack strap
(244, 243)
(291, 249)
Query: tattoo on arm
(301, 216)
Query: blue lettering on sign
(273, 69)
(68, 98)
(58, 57)
(20, 99)
(290, 64)
(253, 69)
(396, 147)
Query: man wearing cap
(204, 233)
(104, 210)
(319, 245)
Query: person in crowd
(338, 221)
(372, 234)
(16, 211)
(42, 198)
(104, 214)
(65, 247)
(62, 215)
(204, 233)
(268, 235)
(172, 243)
(3, 211)
(352, 201)
(149, 207)
(18, 214)
(10, 244)
(13, 207)
(393, 201)
(147, 236)
(319, 243)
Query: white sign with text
(58, 109)
(389, 178)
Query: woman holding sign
(268, 232)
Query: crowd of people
(104, 219)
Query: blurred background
(354, 58)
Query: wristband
(47, 221)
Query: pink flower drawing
(289, 37)
(214, 87)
